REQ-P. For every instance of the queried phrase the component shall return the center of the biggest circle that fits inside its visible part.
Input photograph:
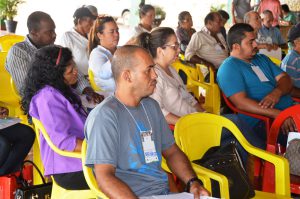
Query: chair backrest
(88, 173)
(7, 41)
(197, 85)
(292, 112)
(267, 120)
(196, 133)
(92, 81)
(39, 128)
(9, 96)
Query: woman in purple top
(48, 96)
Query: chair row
(192, 137)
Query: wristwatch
(190, 182)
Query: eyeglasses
(173, 46)
(59, 56)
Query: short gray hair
(124, 58)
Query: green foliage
(9, 8)
(159, 13)
(217, 7)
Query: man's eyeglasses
(173, 46)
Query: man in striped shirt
(291, 62)
(41, 29)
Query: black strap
(22, 180)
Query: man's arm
(181, 167)
(284, 86)
(16, 64)
(242, 102)
(109, 184)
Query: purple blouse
(63, 124)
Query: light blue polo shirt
(273, 33)
(291, 65)
(236, 75)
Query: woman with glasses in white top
(103, 41)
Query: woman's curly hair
(47, 68)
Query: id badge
(259, 74)
(149, 147)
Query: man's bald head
(125, 57)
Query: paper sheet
(292, 135)
(4, 123)
(183, 195)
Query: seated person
(147, 17)
(289, 18)
(41, 29)
(208, 46)
(48, 96)
(184, 30)
(103, 41)
(171, 94)
(238, 9)
(269, 34)
(15, 143)
(225, 18)
(291, 62)
(253, 19)
(121, 128)
(252, 82)
(76, 39)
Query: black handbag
(27, 191)
(226, 160)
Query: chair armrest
(40, 128)
(282, 177)
(221, 179)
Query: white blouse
(171, 94)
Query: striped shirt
(291, 65)
(18, 60)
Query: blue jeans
(250, 135)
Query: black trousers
(15, 143)
(71, 181)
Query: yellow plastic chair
(88, 173)
(196, 133)
(7, 41)
(275, 61)
(196, 84)
(9, 96)
(57, 191)
(92, 81)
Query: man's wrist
(191, 181)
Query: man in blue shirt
(291, 62)
(251, 81)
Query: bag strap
(21, 172)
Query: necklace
(134, 118)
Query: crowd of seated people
(145, 92)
